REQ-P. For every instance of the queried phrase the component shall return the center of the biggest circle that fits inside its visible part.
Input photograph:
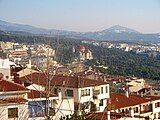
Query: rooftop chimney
(16, 78)
(127, 92)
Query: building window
(101, 102)
(101, 90)
(82, 92)
(122, 110)
(136, 109)
(159, 115)
(69, 93)
(7, 77)
(85, 92)
(157, 104)
(106, 89)
(12, 112)
(75, 107)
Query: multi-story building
(85, 53)
(89, 95)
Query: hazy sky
(83, 15)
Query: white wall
(104, 95)
(155, 110)
(22, 111)
(82, 99)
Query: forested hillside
(125, 63)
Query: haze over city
(83, 15)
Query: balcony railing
(96, 92)
(146, 111)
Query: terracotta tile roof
(118, 100)
(67, 81)
(13, 100)
(39, 94)
(6, 86)
(103, 116)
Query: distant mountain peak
(120, 29)
(117, 26)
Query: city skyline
(83, 15)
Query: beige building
(136, 84)
(26, 71)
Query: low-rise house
(13, 101)
(135, 105)
(133, 84)
(149, 91)
(26, 71)
(136, 84)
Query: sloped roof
(39, 94)
(67, 81)
(6, 86)
(103, 116)
(118, 100)
(26, 71)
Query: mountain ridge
(114, 33)
(30, 26)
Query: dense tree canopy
(126, 63)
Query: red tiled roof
(67, 81)
(118, 100)
(103, 116)
(39, 94)
(36, 78)
(6, 86)
(13, 100)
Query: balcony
(148, 108)
(146, 111)
(96, 92)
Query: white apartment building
(88, 95)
